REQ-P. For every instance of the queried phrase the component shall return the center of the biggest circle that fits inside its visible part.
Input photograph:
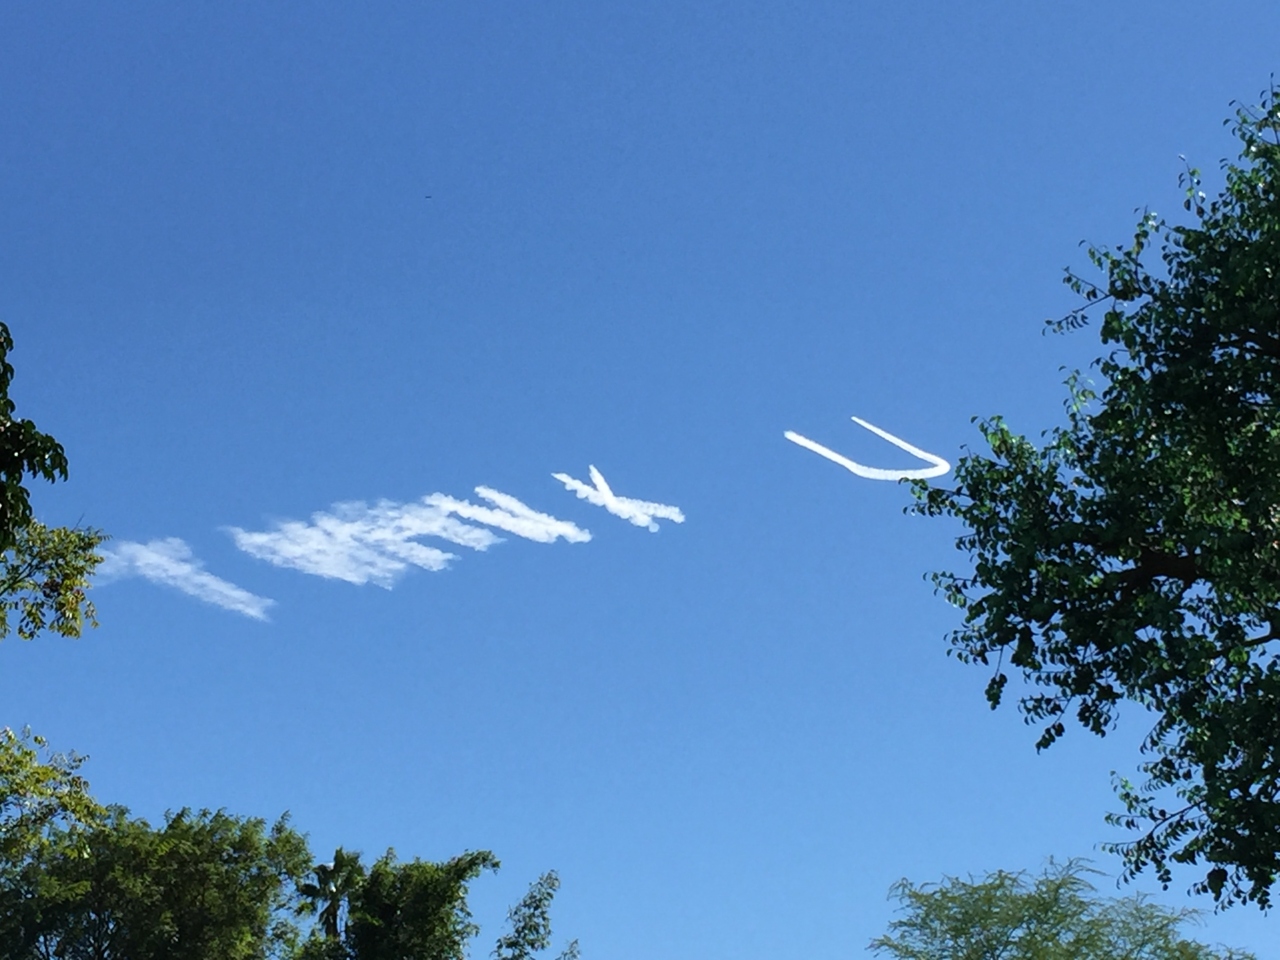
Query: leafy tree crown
(1134, 553)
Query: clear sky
(261, 259)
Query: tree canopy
(1054, 916)
(204, 885)
(1134, 554)
(397, 909)
(80, 881)
(41, 793)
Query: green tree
(1055, 916)
(327, 894)
(44, 804)
(44, 572)
(530, 923)
(416, 909)
(40, 792)
(1134, 554)
(79, 881)
(205, 886)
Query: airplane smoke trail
(171, 563)
(939, 468)
(362, 544)
(643, 513)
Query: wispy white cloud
(376, 544)
(939, 468)
(643, 513)
(170, 562)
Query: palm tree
(333, 886)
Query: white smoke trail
(362, 544)
(939, 468)
(643, 513)
(170, 562)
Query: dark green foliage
(1135, 554)
(24, 451)
(205, 886)
(327, 894)
(44, 572)
(82, 882)
(416, 909)
(1055, 916)
(393, 910)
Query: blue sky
(657, 236)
